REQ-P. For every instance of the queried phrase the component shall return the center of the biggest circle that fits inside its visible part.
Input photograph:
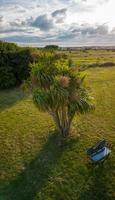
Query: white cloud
(38, 21)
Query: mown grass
(33, 166)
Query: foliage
(15, 64)
(7, 78)
(7, 47)
(52, 47)
(58, 89)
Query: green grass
(33, 166)
(92, 57)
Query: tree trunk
(65, 130)
(62, 124)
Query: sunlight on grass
(34, 167)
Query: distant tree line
(52, 47)
(15, 64)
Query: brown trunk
(62, 123)
(64, 131)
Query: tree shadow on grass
(99, 183)
(10, 97)
(35, 176)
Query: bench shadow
(98, 182)
(37, 173)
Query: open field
(92, 57)
(32, 164)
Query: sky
(60, 22)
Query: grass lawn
(32, 164)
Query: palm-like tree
(59, 90)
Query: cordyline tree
(58, 89)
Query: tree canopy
(59, 90)
(52, 47)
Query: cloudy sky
(62, 22)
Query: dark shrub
(7, 78)
(15, 64)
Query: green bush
(15, 64)
(7, 78)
